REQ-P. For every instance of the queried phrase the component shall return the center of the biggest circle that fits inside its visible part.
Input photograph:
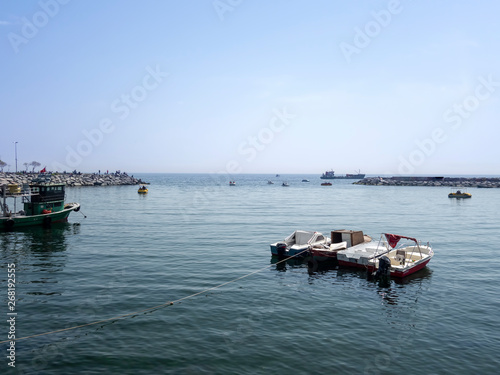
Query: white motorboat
(340, 240)
(385, 255)
(299, 242)
(401, 260)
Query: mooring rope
(155, 307)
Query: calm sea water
(194, 232)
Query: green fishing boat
(42, 204)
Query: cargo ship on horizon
(330, 175)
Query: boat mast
(379, 241)
(4, 191)
(15, 203)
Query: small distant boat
(232, 183)
(285, 184)
(326, 184)
(298, 242)
(277, 175)
(460, 194)
(269, 182)
(142, 190)
(304, 180)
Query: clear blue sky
(253, 86)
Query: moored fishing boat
(43, 204)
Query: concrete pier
(483, 182)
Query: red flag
(393, 239)
(43, 170)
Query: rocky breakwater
(72, 179)
(482, 182)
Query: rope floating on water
(170, 303)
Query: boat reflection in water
(390, 289)
(41, 251)
(281, 264)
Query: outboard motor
(281, 249)
(384, 267)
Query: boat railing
(20, 191)
(384, 249)
(416, 245)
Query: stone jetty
(482, 182)
(72, 179)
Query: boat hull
(454, 195)
(322, 257)
(348, 177)
(411, 270)
(290, 252)
(406, 272)
(12, 223)
(344, 263)
(394, 273)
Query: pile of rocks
(73, 179)
(483, 182)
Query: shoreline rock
(73, 179)
(481, 182)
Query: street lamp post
(15, 146)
